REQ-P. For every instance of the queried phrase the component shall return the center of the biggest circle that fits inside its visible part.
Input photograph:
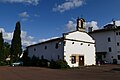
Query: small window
(110, 50)
(42, 57)
(56, 46)
(109, 40)
(45, 47)
(72, 42)
(73, 59)
(58, 57)
(116, 33)
(111, 56)
(88, 44)
(118, 57)
(119, 33)
(118, 44)
(81, 44)
(34, 49)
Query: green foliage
(60, 64)
(26, 59)
(6, 52)
(43, 63)
(7, 49)
(53, 64)
(2, 56)
(16, 46)
(1, 42)
(35, 61)
(2, 63)
(114, 61)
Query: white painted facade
(77, 48)
(108, 42)
(79, 44)
(47, 50)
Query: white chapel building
(107, 43)
(77, 48)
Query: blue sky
(44, 19)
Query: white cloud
(68, 4)
(36, 15)
(24, 14)
(6, 35)
(2, 30)
(92, 24)
(33, 2)
(26, 40)
(117, 22)
(71, 25)
(24, 19)
(42, 40)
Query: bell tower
(80, 24)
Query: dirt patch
(103, 72)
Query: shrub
(114, 61)
(43, 63)
(2, 63)
(60, 64)
(35, 61)
(53, 64)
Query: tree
(26, 60)
(16, 47)
(7, 53)
(1, 43)
(6, 49)
(2, 57)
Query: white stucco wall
(87, 49)
(82, 36)
(118, 47)
(83, 46)
(102, 44)
(50, 53)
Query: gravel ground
(103, 72)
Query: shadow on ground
(115, 69)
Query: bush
(53, 64)
(2, 63)
(60, 64)
(35, 61)
(43, 63)
(114, 61)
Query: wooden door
(81, 60)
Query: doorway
(81, 60)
